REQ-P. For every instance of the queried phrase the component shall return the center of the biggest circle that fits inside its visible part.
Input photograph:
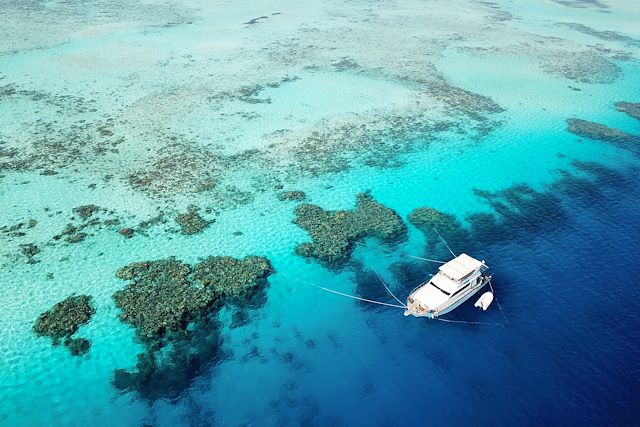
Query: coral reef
(231, 277)
(428, 219)
(191, 222)
(297, 196)
(160, 297)
(62, 321)
(597, 131)
(174, 313)
(30, 250)
(335, 233)
(602, 35)
(77, 346)
(127, 232)
(167, 368)
(86, 211)
(588, 66)
(631, 108)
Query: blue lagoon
(178, 178)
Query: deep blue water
(559, 346)
(563, 349)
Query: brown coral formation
(191, 222)
(173, 308)
(62, 321)
(335, 233)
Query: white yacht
(456, 281)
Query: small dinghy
(456, 281)
(484, 301)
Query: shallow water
(147, 107)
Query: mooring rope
(343, 294)
(504, 316)
(407, 255)
(402, 306)
(387, 288)
(426, 259)
(445, 242)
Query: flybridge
(461, 267)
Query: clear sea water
(560, 348)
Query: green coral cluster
(173, 307)
(160, 297)
(62, 321)
(335, 233)
(230, 277)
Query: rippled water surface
(150, 110)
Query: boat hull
(449, 308)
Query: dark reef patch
(602, 35)
(174, 313)
(597, 131)
(345, 64)
(86, 211)
(255, 20)
(127, 232)
(581, 4)
(231, 278)
(178, 168)
(428, 220)
(62, 321)
(77, 346)
(19, 229)
(191, 222)
(30, 250)
(473, 105)
(519, 214)
(369, 286)
(335, 233)
(294, 195)
(89, 222)
(631, 108)
(161, 297)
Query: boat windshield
(440, 289)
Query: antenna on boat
(445, 242)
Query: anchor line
(403, 254)
(445, 242)
(387, 288)
(344, 294)
(426, 259)
(498, 302)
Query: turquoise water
(134, 106)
